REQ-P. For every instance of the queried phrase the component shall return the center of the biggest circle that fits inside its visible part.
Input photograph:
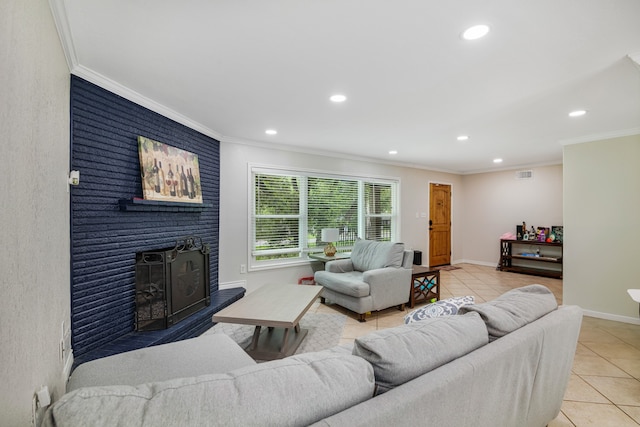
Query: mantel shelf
(142, 205)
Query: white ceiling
(235, 68)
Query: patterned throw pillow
(445, 307)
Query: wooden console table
(532, 257)
(425, 285)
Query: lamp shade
(330, 235)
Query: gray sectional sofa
(502, 363)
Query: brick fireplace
(111, 223)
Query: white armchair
(377, 276)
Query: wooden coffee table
(279, 308)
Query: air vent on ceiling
(528, 174)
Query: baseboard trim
(470, 261)
(231, 285)
(614, 317)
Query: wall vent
(528, 174)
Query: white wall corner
(635, 57)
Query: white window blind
(332, 203)
(277, 216)
(378, 211)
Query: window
(290, 209)
(378, 211)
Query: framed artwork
(168, 173)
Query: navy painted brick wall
(104, 239)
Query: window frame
(303, 247)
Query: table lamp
(330, 235)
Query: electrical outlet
(243, 268)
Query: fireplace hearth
(171, 284)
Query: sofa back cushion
(408, 351)
(297, 390)
(514, 309)
(369, 254)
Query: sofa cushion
(408, 351)
(445, 307)
(369, 254)
(514, 309)
(297, 390)
(349, 283)
(206, 354)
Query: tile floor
(604, 389)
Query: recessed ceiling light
(338, 98)
(463, 137)
(271, 132)
(475, 32)
(497, 160)
(577, 113)
(393, 152)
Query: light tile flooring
(604, 389)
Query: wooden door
(439, 224)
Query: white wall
(234, 161)
(34, 213)
(602, 234)
(494, 203)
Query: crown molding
(133, 96)
(327, 153)
(513, 168)
(601, 136)
(343, 156)
(61, 22)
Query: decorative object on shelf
(521, 231)
(330, 235)
(556, 233)
(542, 233)
(158, 161)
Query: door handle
(430, 223)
